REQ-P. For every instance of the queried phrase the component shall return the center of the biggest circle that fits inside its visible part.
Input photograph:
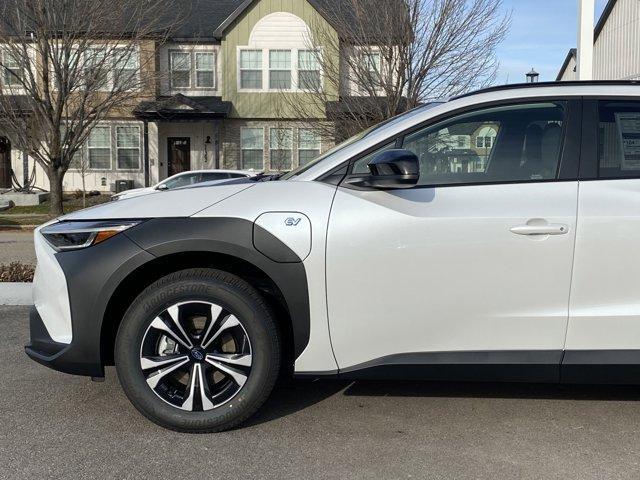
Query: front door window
(179, 155)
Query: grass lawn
(38, 214)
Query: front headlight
(72, 235)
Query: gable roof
(330, 10)
(573, 53)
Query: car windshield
(356, 138)
(180, 181)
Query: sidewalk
(16, 294)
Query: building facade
(616, 51)
(228, 78)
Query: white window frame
(5, 71)
(242, 130)
(86, 149)
(290, 70)
(271, 149)
(265, 81)
(196, 69)
(295, 88)
(116, 148)
(308, 149)
(171, 70)
(113, 148)
(318, 54)
(110, 82)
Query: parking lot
(55, 426)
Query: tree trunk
(55, 191)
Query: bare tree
(66, 65)
(390, 56)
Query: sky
(541, 34)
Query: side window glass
(360, 167)
(502, 144)
(181, 181)
(619, 140)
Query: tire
(235, 384)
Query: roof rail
(569, 83)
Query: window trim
(196, 69)
(266, 87)
(242, 129)
(190, 70)
(290, 70)
(569, 162)
(115, 144)
(86, 149)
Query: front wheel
(198, 351)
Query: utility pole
(586, 13)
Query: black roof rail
(514, 86)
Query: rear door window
(619, 140)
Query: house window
(205, 62)
(281, 148)
(99, 148)
(280, 69)
(308, 70)
(252, 148)
(180, 66)
(308, 145)
(251, 69)
(96, 71)
(12, 74)
(126, 69)
(371, 64)
(128, 147)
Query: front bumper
(58, 356)
(66, 328)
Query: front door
(474, 263)
(179, 155)
(5, 163)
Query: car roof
(214, 170)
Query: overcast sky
(542, 32)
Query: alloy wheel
(196, 356)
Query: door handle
(550, 229)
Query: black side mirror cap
(390, 170)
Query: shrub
(78, 194)
(16, 272)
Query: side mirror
(390, 170)
(162, 187)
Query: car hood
(171, 203)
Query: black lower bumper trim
(58, 356)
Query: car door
(474, 263)
(604, 324)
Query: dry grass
(16, 272)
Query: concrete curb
(16, 294)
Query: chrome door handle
(551, 229)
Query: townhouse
(229, 76)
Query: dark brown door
(5, 163)
(179, 156)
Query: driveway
(17, 246)
(58, 426)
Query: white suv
(491, 237)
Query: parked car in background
(398, 254)
(185, 179)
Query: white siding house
(616, 49)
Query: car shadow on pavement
(493, 390)
(291, 396)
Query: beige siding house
(220, 103)
(616, 54)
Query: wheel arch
(294, 338)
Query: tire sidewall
(233, 295)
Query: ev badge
(292, 222)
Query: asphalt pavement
(17, 246)
(57, 426)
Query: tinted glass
(501, 144)
(211, 176)
(619, 140)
